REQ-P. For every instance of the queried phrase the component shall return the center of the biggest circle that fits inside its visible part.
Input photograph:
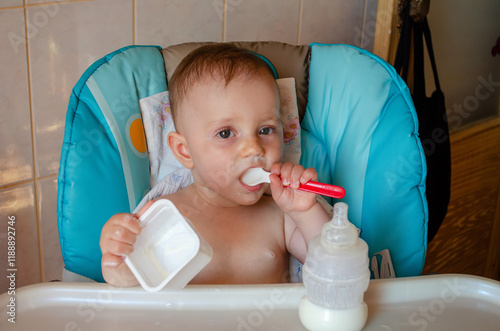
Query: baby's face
(229, 130)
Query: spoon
(254, 176)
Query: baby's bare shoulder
(182, 201)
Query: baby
(225, 106)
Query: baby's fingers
(111, 260)
(122, 246)
(296, 176)
(130, 222)
(283, 171)
(123, 235)
(276, 186)
(308, 174)
(119, 234)
(145, 207)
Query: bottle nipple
(339, 232)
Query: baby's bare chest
(241, 230)
(247, 247)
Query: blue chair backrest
(359, 131)
(104, 166)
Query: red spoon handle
(323, 189)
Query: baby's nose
(251, 147)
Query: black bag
(433, 121)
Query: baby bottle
(335, 276)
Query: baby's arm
(304, 216)
(117, 241)
(300, 229)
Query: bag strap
(418, 62)
(430, 50)
(421, 32)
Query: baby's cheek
(277, 152)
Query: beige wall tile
(166, 23)
(367, 32)
(29, 2)
(16, 156)
(52, 262)
(66, 40)
(331, 21)
(18, 202)
(262, 20)
(10, 3)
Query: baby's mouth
(251, 188)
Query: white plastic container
(168, 252)
(335, 275)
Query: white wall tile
(65, 40)
(166, 23)
(52, 262)
(262, 20)
(331, 21)
(19, 202)
(16, 156)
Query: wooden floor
(469, 239)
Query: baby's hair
(222, 62)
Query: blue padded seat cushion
(102, 171)
(360, 131)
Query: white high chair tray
(440, 302)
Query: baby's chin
(249, 198)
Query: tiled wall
(46, 45)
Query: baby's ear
(179, 148)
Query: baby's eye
(267, 131)
(224, 134)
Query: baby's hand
(117, 239)
(285, 178)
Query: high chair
(359, 131)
